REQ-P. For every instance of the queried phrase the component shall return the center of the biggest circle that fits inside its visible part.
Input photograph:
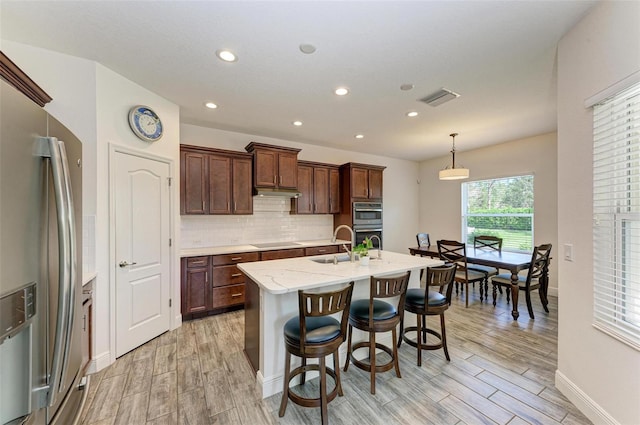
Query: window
(616, 213)
(499, 207)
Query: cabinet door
(305, 186)
(334, 191)
(193, 187)
(359, 183)
(196, 293)
(321, 190)
(266, 166)
(242, 196)
(288, 170)
(219, 184)
(375, 184)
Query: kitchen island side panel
(252, 324)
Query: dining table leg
(514, 294)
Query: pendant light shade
(453, 173)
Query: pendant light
(453, 173)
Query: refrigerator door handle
(50, 148)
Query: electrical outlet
(568, 252)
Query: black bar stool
(374, 315)
(427, 302)
(315, 334)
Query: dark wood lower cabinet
(213, 284)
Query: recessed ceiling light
(211, 105)
(297, 123)
(359, 136)
(226, 55)
(406, 86)
(412, 114)
(341, 91)
(307, 48)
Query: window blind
(616, 212)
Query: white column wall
(595, 371)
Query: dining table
(511, 261)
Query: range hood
(285, 193)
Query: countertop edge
(231, 249)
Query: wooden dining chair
(486, 243)
(537, 278)
(456, 252)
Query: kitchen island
(271, 299)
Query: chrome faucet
(379, 245)
(353, 239)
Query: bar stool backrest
(387, 287)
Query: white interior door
(142, 249)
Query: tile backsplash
(270, 222)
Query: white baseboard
(582, 401)
(552, 291)
(99, 362)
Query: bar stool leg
(303, 376)
(346, 363)
(285, 392)
(323, 391)
(336, 367)
(444, 337)
(395, 353)
(419, 340)
(372, 360)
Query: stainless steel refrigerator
(41, 359)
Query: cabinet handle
(202, 205)
(274, 180)
(236, 258)
(235, 206)
(236, 274)
(84, 322)
(236, 295)
(321, 250)
(206, 276)
(197, 262)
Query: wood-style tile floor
(501, 372)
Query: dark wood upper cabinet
(334, 190)
(274, 166)
(215, 181)
(362, 181)
(194, 197)
(319, 185)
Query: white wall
(93, 102)
(440, 201)
(400, 190)
(596, 372)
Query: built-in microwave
(367, 213)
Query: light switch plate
(568, 252)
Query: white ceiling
(499, 55)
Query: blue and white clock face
(145, 123)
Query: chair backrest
(487, 242)
(442, 277)
(423, 239)
(316, 304)
(539, 267)
(454, 252)
(387, 287)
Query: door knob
(125, 264)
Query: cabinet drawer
(242, 257)
(226, 296)
(319, 250)
(282, 253)
(227, 275)
(197, 261)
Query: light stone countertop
(230, 249)
(291, 274)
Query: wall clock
(145, 123)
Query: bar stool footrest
(312, 402)
(414, 343)
(366, 366)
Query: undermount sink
(329, 260)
